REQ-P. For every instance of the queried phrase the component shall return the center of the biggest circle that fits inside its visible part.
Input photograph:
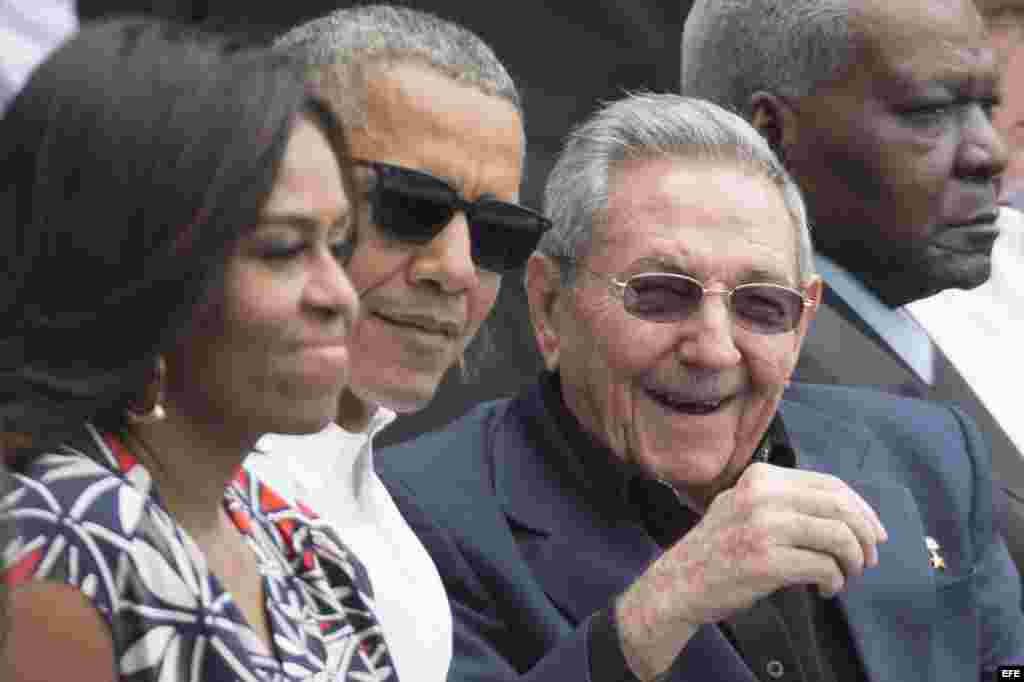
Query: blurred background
(566, 56)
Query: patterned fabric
(333, 471)
(89, 516)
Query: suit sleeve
(501, 642)
(997, 583)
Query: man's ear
(813, 289)
(543, 289)
(774, 118)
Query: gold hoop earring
(151, 410)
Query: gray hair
(340, 46)
(732, 49)
(653, 126)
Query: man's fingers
(813, 494)
(808, 567)
(832, 538)
(843, 506)
(831, 485)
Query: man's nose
(982, 154)
(447, 260)
(708, 339)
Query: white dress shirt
(29, 31)
(332, 473)
(981, 330)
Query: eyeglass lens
(761, 308)
(414, 207)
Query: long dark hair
(131, 162)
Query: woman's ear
(814, 290)
(543, 290)
(148, 408)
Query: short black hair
(130, 163)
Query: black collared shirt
(790, 636)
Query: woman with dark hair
(176, 218)
(6, 534)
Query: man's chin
(919, 281)
(697, 486)
(404, 397)
(959, 271)
(977, 276)
(303, 424)
(708, 452)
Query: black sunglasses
(763, 308)
(414, 207)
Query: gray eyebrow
(755, 274)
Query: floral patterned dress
(89, 516)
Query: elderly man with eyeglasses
(663, 504)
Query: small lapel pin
(937, 562)
(764, 451)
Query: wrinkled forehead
(421, 118)
(706, 217)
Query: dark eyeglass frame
(620, 287)
(502, 234)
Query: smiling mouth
(687, 404)
(443, 330)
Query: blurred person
(436, 131)
(659, 506)
(1005, 21)
(978, 328)
(29, 31)
(6, 534)
(178, 213)
(882, 111)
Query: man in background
(978, 329)
(1005, 20)
(882, 111)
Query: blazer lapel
(581, 558)
(898, 595)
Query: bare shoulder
(48, 618)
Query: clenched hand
(775, 528)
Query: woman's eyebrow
(306, 223)
(298, 220)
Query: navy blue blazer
(526, 563)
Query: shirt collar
(362, 467)
(381, 418)
(328, 458)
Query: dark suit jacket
(526, 561)
(840, 349)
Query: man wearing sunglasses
(659, 506)
(436, 133)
